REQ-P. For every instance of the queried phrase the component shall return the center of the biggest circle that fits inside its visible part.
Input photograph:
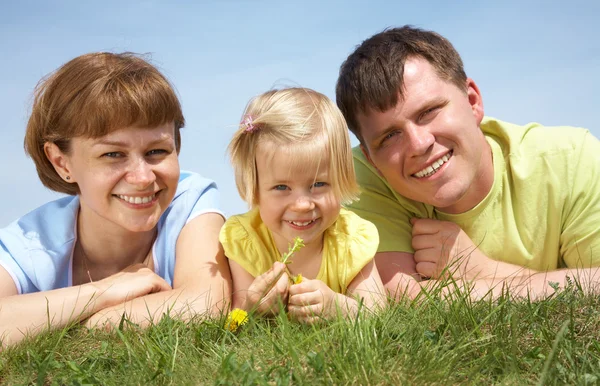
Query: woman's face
(126, 178)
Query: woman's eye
(112, 154)
(280, 187)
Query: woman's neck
(108, 248)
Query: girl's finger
(305, 299)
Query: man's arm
(398, 274)
(538, 285)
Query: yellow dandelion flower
(236, 318)
(298, 279)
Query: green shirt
(542, 212)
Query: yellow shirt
(543, 211)
(349, 244)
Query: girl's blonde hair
(304, 123)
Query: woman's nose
(141, 174)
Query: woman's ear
(60, 161)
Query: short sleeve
(357, 242)
(206, 199)
(36, 249)
(247, 245)
(195, 196)
(381, 206)
(12, 268)
(580, 237)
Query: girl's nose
(303, 203)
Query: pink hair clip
(248, 122)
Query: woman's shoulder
(191, 181)
(195, 195)
(51, 223)
(35, 247)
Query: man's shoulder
(533, 139)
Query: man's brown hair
(92, 95)
(372, 76)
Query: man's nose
(420, 139)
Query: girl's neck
(108, 248)
(307, 260)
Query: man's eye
(425, 113)
(157, 152)
(280, 187)
(389, 135)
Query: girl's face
(126, 178)
(294, 200)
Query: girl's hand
(132, 282)
(311, 301)
(268, 291)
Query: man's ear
(475, 100)
(60, 161)
(368, 157)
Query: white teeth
(433, 168)
(137, 199)
(301, 224)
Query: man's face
(429, 147)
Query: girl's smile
(295, 196)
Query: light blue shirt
(37, 249)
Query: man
(454, 192)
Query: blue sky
(533, 61)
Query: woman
(104, 129)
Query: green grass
(432, 341)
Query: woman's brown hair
(92, 95)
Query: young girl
(293, 165)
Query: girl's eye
(319, 184)
(280, 187)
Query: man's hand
(311, 301)
(443, 248)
